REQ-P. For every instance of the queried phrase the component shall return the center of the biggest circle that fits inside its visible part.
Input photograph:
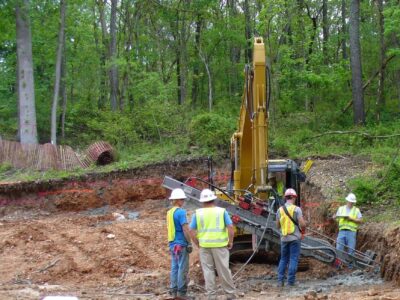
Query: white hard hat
(177, 194)
(207, 195)
(351, 198)
(290, 192)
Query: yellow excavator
(257, 183)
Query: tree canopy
(140, 70)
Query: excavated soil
(104, 238)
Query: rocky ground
(105, 239)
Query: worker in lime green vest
(212, 231)
(289, 218)
(277, 185)
(348, 217)
(179, 245)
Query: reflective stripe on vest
(348, 224)
(211, 229)
(287, 225)
(171, 224)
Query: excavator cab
(286, 174)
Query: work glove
(189, 248)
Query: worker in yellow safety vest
(278, 186)
(179, 245)
(212, 231)
(289, 218)
(348, 217)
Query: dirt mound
(75, 247)
(332, 175)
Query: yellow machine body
(249, 143)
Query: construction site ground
(104, 237)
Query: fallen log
(365, 134)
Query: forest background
(164, 78)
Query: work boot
(184, 297)
(172, 295)
(293, 285)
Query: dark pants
(290, 253)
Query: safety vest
(279, 188)
(211, 229)
(287, 225)
(171, 224)
(345, 223)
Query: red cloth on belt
(177, 250)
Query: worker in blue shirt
(179, 245)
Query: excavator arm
(249, 143)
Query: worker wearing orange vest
(289, 218)
(212, 231)
(349, 217)
(179, 244)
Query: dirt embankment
(323, 193)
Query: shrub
(365, 189)
(211, 131)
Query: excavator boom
(249, 142)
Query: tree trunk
(178, 77)
(104, 51)
(27, 130)
(113, 56)
(63, 92)
(196, 67)
(344, 30)
(128, 32)
(180, 38)
(380, 101)
(397, 76)
(235, 51)
(183, 61)
(325, 29)
(248, 51)
(355, 63)
(210, 95)
(312, 38)
(58, 73)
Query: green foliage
(365, 189)
(118, 129)
(385, 188)
(4, 167)
(211, 131)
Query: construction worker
(289, 218)
(179, 245)
(276, 185)
(212, 231)
(349, 217)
